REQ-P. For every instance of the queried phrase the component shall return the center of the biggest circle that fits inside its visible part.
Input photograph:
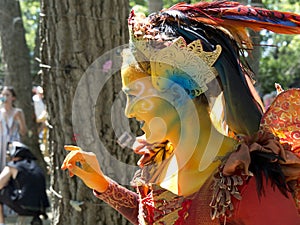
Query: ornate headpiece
(187, 44)
(170, 60)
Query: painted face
(156, 113)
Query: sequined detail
(161, 206)
(282, 118)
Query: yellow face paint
(130, 74)
(154, 110)
(162, 120)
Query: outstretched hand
(85, 166)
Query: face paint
(151, 108)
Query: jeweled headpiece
(170, 60)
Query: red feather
(235, 17)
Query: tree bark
(17, 68)
(74, 34)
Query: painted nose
(129, 110)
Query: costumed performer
(210, 152)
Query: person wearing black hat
(23, 185)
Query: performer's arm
(121, 199)
(85, 166)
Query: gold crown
(172, 60)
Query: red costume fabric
(148, 208)
(155, 205)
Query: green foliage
(280, 3)
(30, 16)
(137, 2)
(140, 6)
(279, 62)
(169, 3)
(30, 13)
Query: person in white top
(39, 106)
(12, 124)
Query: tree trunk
(17, 67)
(36, 80)
(73, 35)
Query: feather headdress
(235, 17)
(218, 23)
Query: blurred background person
(12, 122)
(12, 125)
(39, 107)
(268, 98)
(23, 185)
(41, 116)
